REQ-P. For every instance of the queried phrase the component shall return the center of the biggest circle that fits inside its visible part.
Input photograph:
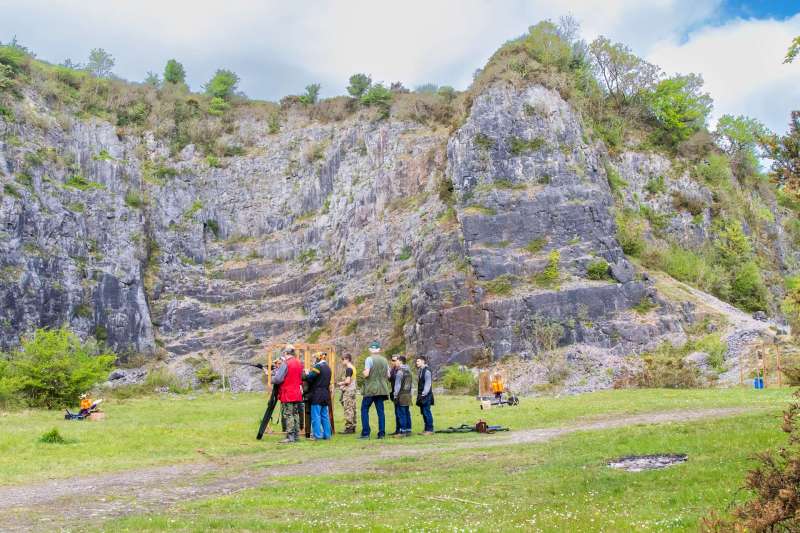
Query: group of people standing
(382, 381)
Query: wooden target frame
(305, 354)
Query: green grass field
(561, 484)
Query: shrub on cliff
(52, 368)
(459, 379)
(223, 84)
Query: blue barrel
(758, 383)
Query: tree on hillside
(785, 154)
(793, 51)
(174, 72)
(679, 107)
(222, 84)
(740, 137)
(359, 83)
(152, 79)
(378, 96)
(100, 63)
(622, 74)
(311, 95)
(426, 88)
(545, 44)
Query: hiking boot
(427, 433)
(364, 437)
(381, 437)
(288, 440)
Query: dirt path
(63, 504)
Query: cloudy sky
(278, 47)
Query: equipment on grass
(508, 400)
(83, 413)
(480, 427)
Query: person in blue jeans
(425, 393)
(401, 394)
(375, 390)
(319, 380)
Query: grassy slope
(562, 485)
(153, 431)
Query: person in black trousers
(425, 393)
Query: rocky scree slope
(468, 247)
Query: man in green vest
(375, 389)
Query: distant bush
(456, 378)
(380, 97)
(501, 285)
(222, 84)
(666, 369)
(630, 233)
(174, 72)
(715, 170)
(311, 95)
(536, 245)
(518, 146)
(52, 368)
(598, 270)
(52, 437)
(359, 84)
(550, 276)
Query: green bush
(666, 369)
(501, 285)
(53, 367)
(52, 437)
(222, 84)
(206, 375)
(598, 270)
(174, 72)
(715, 170)
(218, 106)
(380, 97)
(656, 185)
(535, 245)
(359, 84)
(311, 95)
(615, 181)
(747, 288)
(456, 378)
(518, 146)
(630, 233)
(133, 199)
(550, 276)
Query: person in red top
(290, 379)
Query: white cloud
(278, 47)
(741, 63)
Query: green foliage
(405, 253)
(380, 97)
(77, 181)
(222, 84)
(196, 206)
(615, 181)
(459, 379)
(359, 84)
(307, 256)
(213, 226)
(715, 170)
(784, 151)
(52, 437)
(790, 306)
(550, 276)
(53, 367)
(447, 93)
(714, 346)
(536, 245)
(656, 185)
(174, 72)
(518, 146)
(152, 79)
(351, 327)
(630, 232)
(206, 375)
(100, 63)
(740, 137)
(134, 199)
(213, 161)
(793, 51)
(645, 305)
(598, 270)
(218, 106)
(748, 290)
(274, 123)
(445, 190)
(311, 95)
(483, 141)
(622, 74)
(544, 44)
(10, 190)
(679, 107)
(501, 285)
(665, 369)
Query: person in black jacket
(425, 393)
(402, 396)
(319, 392)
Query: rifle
(273, 400)
(243, 363)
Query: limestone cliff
(467, 246)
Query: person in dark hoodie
(401, 393)
(393, 366)
(425, 393)
(319, 381)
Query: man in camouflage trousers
(289, 377)
(348, 388)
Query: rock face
(465, 247)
